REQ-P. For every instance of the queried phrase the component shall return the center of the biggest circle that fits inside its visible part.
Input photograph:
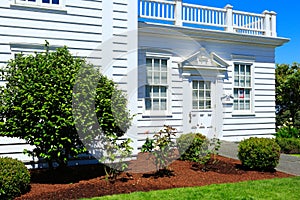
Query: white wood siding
(235, 127)
(82, 25)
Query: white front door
(198, 106)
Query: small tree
(36, 104)
(288, 94)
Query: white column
(178, 12)
(229, 18)
(273, 23)
(267, 24)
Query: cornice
(199, 34)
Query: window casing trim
(251, 87)
(159, 113)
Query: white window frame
(205, 99)
(241, 97)
(39, 3)
(168, 94)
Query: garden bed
(86, 181)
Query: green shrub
(288, 132)
(196, 147)
(289, 145)
(56, 102)
(148, 146)
(259, 153)
(14, 178)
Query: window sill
(201, 110)
(156, 114)
(237, 114)
(45, 7)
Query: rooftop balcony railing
(227, 19)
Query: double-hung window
(242, 87)
(201, 95)
(156, 84)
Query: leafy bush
(14, 178)
(197, 147)
(288, 131)
(162, 147)
(148, 146)
(289, 145)
(259, 153)
(50, 95)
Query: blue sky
(288, 21)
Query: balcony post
(273, 23)
(267, 24)
(178, 13)
(229, 18)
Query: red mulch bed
(89, 181)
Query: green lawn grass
(284, 188)
(298, 155)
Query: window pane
(236, 81)
(201, 104)
(195, 84)
(163, 91)
(163, 65)
(247, 93)
(55, 1)
(156, 78)
(164, 78)
(46, 1)
(149, 64)
(148, 104)
(248, 81)
(248, 72)
(247, 104)
(149, 78)
(156, 64)
(235, 105)
(201, 95)
(195, 104)
(241, 93)
(236, 69)
(236, 93)
(201, 85)
(242, 81)
(208, 104)
(195, 94)
(163, 104)
(242, 105)
(148, 90)
(207, 94)
(242, 70)
(207, 84)
(155, 104)
(155, 91)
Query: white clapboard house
(197, 68)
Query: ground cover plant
(284, 188)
